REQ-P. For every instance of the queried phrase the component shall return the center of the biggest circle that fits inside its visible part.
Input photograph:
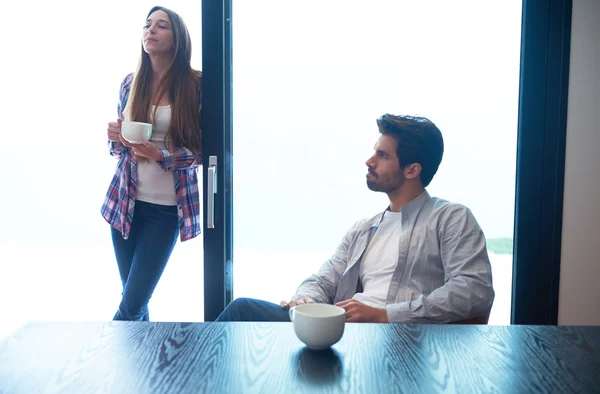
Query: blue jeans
(143, 257)
(249, 309)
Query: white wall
(579, 297)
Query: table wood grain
(142, 357)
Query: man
(423, 260)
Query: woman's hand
(114, 130)
(145, 149)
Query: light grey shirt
(443, 272)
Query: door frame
(541, 142)
(217, 141)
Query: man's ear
(412, 171)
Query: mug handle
(292, 313)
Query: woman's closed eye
(159, 26)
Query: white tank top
(155, 185)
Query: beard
(384, 185)
(372, 185)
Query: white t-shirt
(155, 185)
(380, 260)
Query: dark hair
(419, 141)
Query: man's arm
(322, 287)
(468, 290)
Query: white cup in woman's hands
(114, 130)
(136, 132)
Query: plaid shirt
(118, 206)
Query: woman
(153, 197)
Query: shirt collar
(409, 208)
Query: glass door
(311, 77)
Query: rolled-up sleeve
(322, 287)
(115, 148)
(179, 159)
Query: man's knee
(233, 310)
(239, 303)
(240, 309)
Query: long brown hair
(181, 83)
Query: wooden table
(139, 357)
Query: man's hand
(145, 149)
(356, 311)
(296, 301)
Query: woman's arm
(179, 159)
(116, 148)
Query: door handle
(212, 190)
